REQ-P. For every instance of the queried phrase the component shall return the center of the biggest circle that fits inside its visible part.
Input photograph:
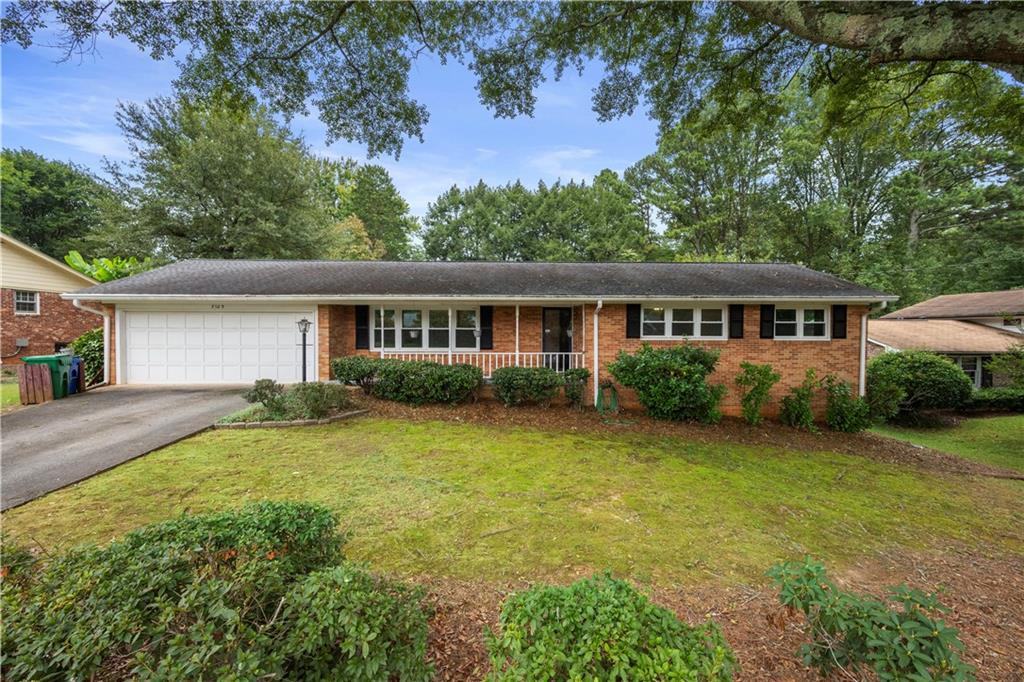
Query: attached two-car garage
(219, 346)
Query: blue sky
(66, 111)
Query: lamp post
(304, 325)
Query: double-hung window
(26, 302)
(425, 329)
(682, 323)
(971, 365)
(801, 323)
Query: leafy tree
(383, 212)
(108, 269)
(352, 59)
(51, 205)
(351, 242)
(222, 179)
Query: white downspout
(106, 335)
(517, 335)
(597, 366)
(863, 353)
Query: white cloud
(483, 153)
(565, 163)
(100, 144)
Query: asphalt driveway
(48, 446)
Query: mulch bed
(985, 595)
(730, 430)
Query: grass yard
(9, 395)
(992, 440)
(503, 503)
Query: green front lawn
(993, 440)
(9, 394)
(496, 503)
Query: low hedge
(672, 383)
(601, 628)
(519, 385)
(1008, 399)
(261, 592)
(355, 369)
(575, 381)
(419, 382)
(272, 401)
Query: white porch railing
(488, 361)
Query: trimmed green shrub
(315, 400)
(671, 383)
(758, 380)
(419, 382)
(89, 347)
(268, 393)
(927, 381)
(575, 381)
(857, 634)
(229, 595)
(796, 405)
(356, 369)
(845, 411)
(1010, 365)
(601, 629)
(1011, 399)
(518, 385)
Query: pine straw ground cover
(484, 501)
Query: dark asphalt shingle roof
(479, 279)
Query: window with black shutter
(633, 321)
(362, 326)
(839, 322)
(767, 322)
(736, 321)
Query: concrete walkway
(46, 447)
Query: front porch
(480, 334)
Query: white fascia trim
(114, 298)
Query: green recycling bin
(60, 368)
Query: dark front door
(557, 338)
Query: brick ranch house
(35, 319)
(208, 321)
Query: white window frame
(35, 302)
(800, 336)
(698, 319)
(424, 329)
(974, 376)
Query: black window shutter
(486, 327)
(633, 321)
(362, 326)
(839, 322)
(735, 320)
(986, 373)
(767, 322)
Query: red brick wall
(791, 359)
(58, 321)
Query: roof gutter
(106, 334)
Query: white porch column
(451, 334)
(381, 332)
(517, 334)
(862, 384)
(597, 360)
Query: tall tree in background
(222, 179)
(51, 205)
(383, 212)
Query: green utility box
(60, 369)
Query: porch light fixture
(304, 326)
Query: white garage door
(215, 347)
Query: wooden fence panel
(34, 384)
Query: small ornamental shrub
(796, 405)
(927, 381)
(355, 369)
(247, 594)
(519, 385)
(1009, 365)
(845, 411)
(268, 393)
(89, 347)
(601, 629)
(671, 383)
(856, 634)
(1011, 399)
(316, 400)
(420, 382)
(758, 380)
(575, 381)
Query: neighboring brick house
(968, 328)
(35, 319)
(206, 321)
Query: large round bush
(904, 385)
(671, 383)
(602, 629)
